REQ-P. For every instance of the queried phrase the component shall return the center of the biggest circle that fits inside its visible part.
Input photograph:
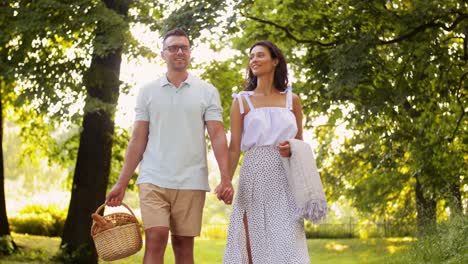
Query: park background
(383, 88)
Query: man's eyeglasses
(175, 48)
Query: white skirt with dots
(276, 234)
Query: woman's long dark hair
(280, 79)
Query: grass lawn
(37, 249)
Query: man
(169, 139)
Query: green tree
(394, 73)
(102, 84)
(7, 245)
(94, 154)
(40, 58)
(37, 43)
(227, 77)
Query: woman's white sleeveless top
(266, 126)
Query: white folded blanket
(305, 183)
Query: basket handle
(122, 204)
(102, 207)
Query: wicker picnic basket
(120, 241)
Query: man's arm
(218, 141)
(133, 156)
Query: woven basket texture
(121, 241)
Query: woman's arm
(236, 136)
(284, 147)
(297, 110)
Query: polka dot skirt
(276, 234)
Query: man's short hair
(175, 32)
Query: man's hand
(225, 192)
(284, 149)
(116, 195)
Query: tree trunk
(426, 210)
(7, 245)
(94, 154)
(4, 227)
(455, 200)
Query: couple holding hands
(168, 142)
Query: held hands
(225, 192)
(284, 149)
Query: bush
(39, 220)
(329, 230)
(447, 244)
(7, 245)
(354, 229)
(214, 232)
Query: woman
(263, 226)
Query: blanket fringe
(315, 211)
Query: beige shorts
(180, 210)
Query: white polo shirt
(175, 156)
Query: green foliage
(33, 125)
(447, 244)
(39, 220)
(214, 232)
(45, 50)
(32, 249)
(393, 75)
(119, 148)
(25, 175)
(80, 255)
(45, 54)
(329, 231)
(195, 16)
(226, 76)
(7, 245)
(363, 230)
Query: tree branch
(289, 33)
(465, 45)
(431, 24)
(452, 137)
